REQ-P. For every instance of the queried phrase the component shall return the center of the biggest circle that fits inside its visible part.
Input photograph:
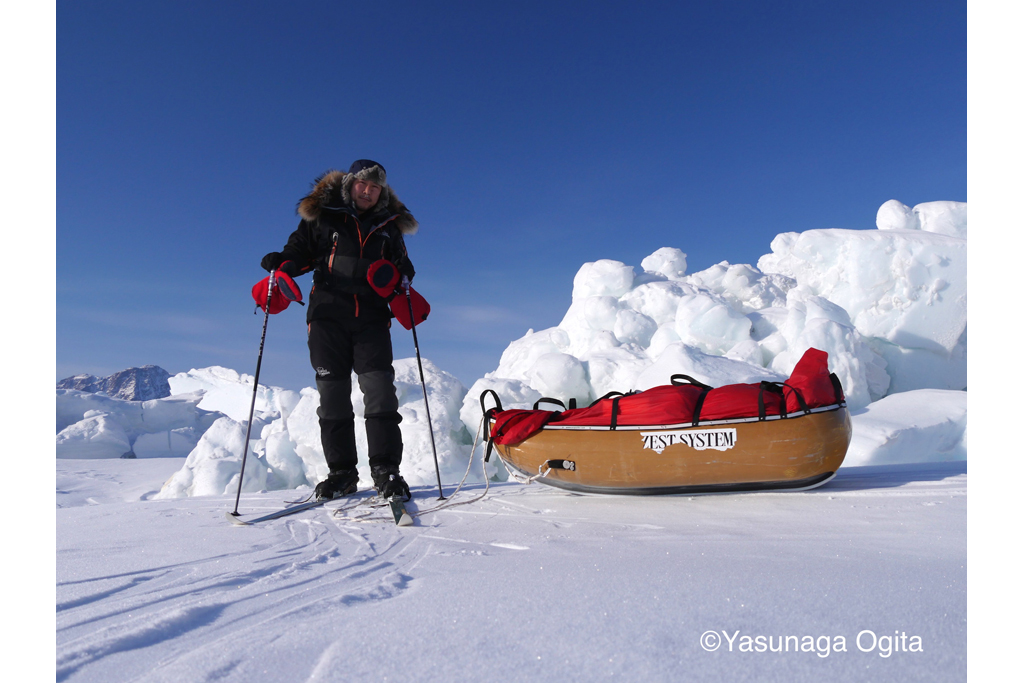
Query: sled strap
(572, 403)
(488, 414)
(699, 405)
(497, 401)
(560, 465)
(837, 387)
(773, 387)
(608, 395)
(615, 413)
(683, 380)
(553, 401)
(799, 398)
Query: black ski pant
(336, 348)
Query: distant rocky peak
(134, 384)
(89, 383)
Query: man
(350, 221)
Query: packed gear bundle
(686, 437)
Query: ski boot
(337, 485)
(389, 483)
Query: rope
(469, 465)
(520, 478)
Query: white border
(28, 53)
(995, 145)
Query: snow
(946, 218)
(711, 370)
(667, 261)
(914, 426)
(94, 436)
(530, 583)
(230, 392)
(602, 278)
(908, 287)
(285, 451)
(97, 426)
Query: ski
(402, 517)
(274, 515)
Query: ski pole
(255, 386)
(423, 383)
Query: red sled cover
(285, 292)
(400, 308)
(513, 426)
(810, 386)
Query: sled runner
(685, 437)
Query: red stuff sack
(814, 382)
(513, 426)
(658, 405)
(809, 386)
(740, 400)
(285, 292)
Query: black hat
(366, 169)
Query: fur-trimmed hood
(331, 191)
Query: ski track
(206, 619)
(366, 580)
(139, 633)
(200, 611)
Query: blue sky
(527, 139)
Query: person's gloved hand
(291, 268)
(405, 283)
(271, 261)
(275, 261)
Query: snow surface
(529, 584)
(915, 426)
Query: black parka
(338, 245)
